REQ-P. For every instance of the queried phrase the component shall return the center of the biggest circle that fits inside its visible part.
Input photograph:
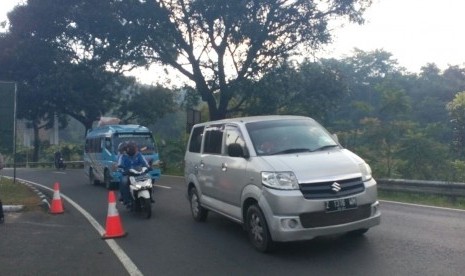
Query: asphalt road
(411, 240)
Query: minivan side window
(196, 139)
(234, 136)
(213, 139)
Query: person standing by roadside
(2, 161)
(2, 165)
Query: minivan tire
(257, 229)
(198, 212)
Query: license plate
(341, 204)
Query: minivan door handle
(201, 165)
(224, 167)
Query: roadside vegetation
(18, 194)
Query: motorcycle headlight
(366, 171)
(280, 180)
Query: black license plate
(341, 204)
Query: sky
(415, 32)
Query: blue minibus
(101, 152)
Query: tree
(456, 110)
(50, 81)
(364, 73)
(29, 62)
(308, 89)
(146, 104)
(87, 93)
(216, 44)
(61, 77)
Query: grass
(18, 194)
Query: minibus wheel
(92, 179)
(106, 179)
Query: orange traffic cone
(114, 228)
(57, 204)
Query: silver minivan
(284, 178)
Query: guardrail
(444, 188)
(69, 164)
(422, 186)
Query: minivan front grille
(322, 219)
(332, 189)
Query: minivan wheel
(198, 212)
(257, 229)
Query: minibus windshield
(143, 140)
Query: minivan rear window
(213, 140)
(196, 139)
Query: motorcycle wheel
(146, 207)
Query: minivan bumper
(288, 228)
(290, 217)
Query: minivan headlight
(366, 171)
(280, 180)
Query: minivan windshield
(289, 136)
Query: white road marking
(161, 186)
(131, 268)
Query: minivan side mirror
(236, 150)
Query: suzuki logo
(336, 187)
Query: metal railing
(422, 186)
(69, 164)
(444, 188)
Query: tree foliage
(308, 89)
(146, 104)
(217, 44)
(456, 109)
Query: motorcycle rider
(131, 159)
(59, 164)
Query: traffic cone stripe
(112, 211)
(57, 204)
(114, 228)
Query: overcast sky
(416, 32)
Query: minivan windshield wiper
(292, 151)
(325, 147)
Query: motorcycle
(140, 187)
(60, 164)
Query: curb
(13, 208)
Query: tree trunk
(35, 153)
